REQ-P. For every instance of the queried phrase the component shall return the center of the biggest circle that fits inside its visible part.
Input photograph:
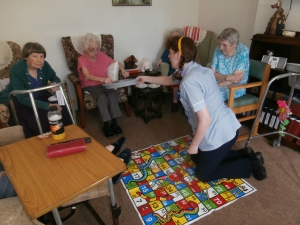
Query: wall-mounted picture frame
(131, 2)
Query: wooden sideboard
(286, 47)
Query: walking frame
(276, 142)
(30, 92)
(116, 211)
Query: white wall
(264, 13)
(216, 15)
(137, 30)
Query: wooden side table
(147, 94)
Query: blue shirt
(165, 58)
(198, 89)
(226, 66)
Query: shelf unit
(286, 47)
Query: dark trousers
(107, 101)
(221, 163)
(27, 118)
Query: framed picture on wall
(131, 2)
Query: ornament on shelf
(277, 22)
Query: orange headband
(179, 46)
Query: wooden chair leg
(83, 118)
(127, 109)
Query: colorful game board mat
(161, 184)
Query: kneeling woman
(214, 125)
(28, 73)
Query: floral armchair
(85, 100)
(10, 52)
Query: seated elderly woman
(92, 69)
(29, 73)
(165, 58)
(230, 62)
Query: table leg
(57, 217)
(146, 104)
(115, 210)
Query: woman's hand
(140, 79)
(193, 149)
(236, 77)
(54, 89)
(108, 80)
(158, 64)
(58, 106)
(124, 73)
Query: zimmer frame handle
(30, 92)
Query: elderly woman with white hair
(92, 69)
(230, 63)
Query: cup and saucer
(141, 85)
(154, 86)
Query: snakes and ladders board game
(161, 184)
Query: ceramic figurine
(277, 21)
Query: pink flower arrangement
(283, 111)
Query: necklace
(33, 75)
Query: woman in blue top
(230, 63)
(214, 125)
(164, 58)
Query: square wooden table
(43, 184)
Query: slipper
(126, 156)
(118, 145)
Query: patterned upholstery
(11, 210)
(86, 101)
(16, 55)
(9, 60)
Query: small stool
(148, 111)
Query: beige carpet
(276, 201)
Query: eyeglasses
(93, 49)
(224, 45)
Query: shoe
(118, 145)
(248, 152)
(108, 132)
(257, 156)
(174, 107)
(116, 129)
(126, 156)
(258, 170)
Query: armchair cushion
(10, 52)
(12, 212)
(11, 135)
(3, 83)
(96, 192)
(246, 99)
(206, 48)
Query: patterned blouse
(226, 66)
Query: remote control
(86, 140)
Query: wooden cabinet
(287, 47)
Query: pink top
(98, 68)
